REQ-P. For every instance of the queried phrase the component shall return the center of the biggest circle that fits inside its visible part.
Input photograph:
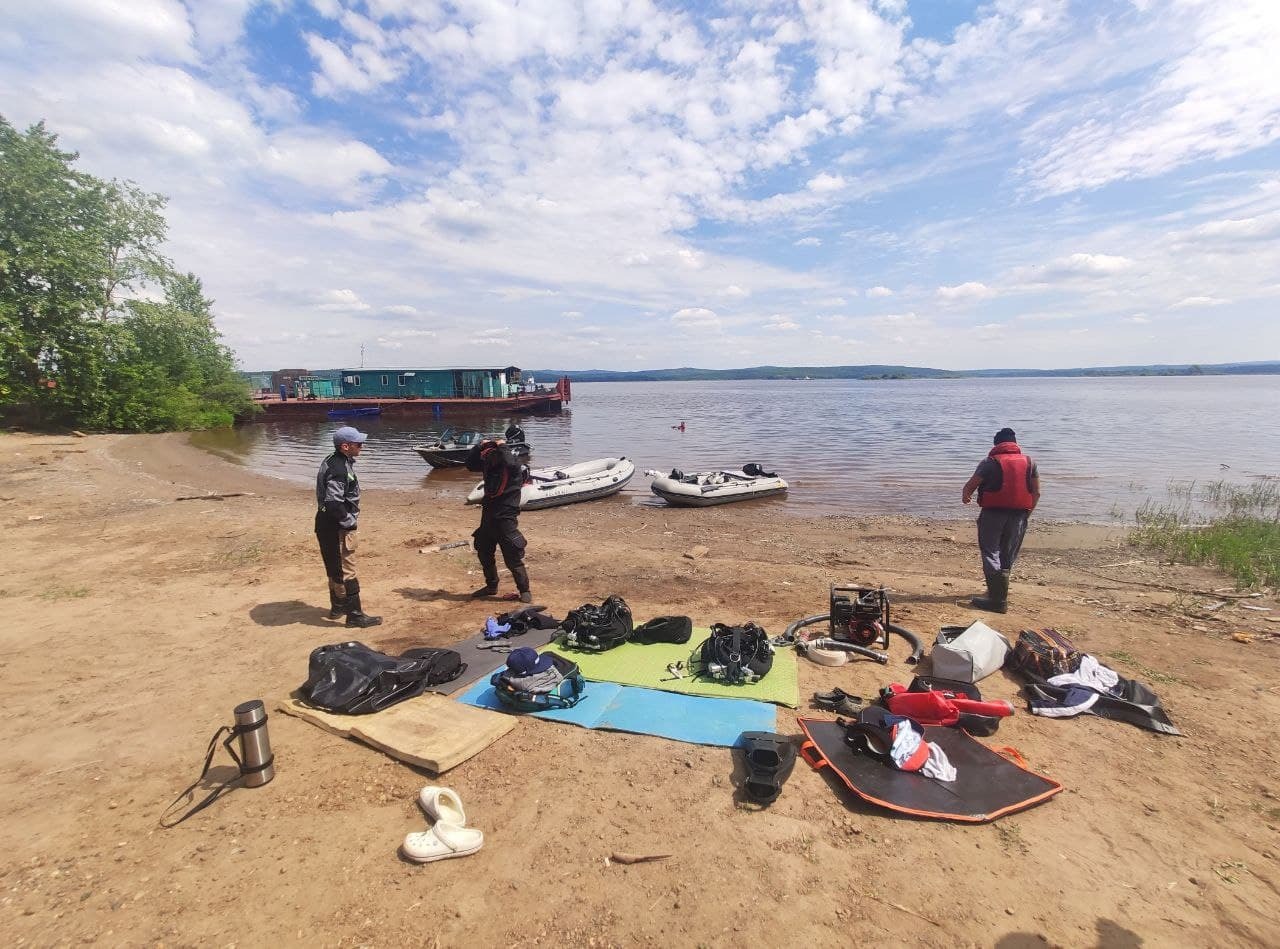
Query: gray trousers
(1000, 533)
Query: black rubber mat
(484, 662)
(988, 784)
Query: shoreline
(140, 620)
(967, 516)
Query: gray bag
(968, 654)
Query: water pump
(860, 615)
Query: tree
(77, 343)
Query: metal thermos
(256, 762)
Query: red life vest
(1014, 492)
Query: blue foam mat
(626, 708)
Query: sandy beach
(135, 622)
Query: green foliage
(1241, 536)
(97, 328)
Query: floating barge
(421, 392)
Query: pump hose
(911, 638)
(789, 637)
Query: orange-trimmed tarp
(989, 783)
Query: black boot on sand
(997, 598)
(337, 600)
(357, 618)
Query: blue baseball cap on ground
(349, 434)
(525, 661)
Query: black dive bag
(663, 629)
(352, 679)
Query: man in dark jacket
(337, 514)
(499, 516)
(1008, 487)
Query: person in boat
(1008, 486)
(504, 478)
(680, 427)
(337, 516)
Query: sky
(641, 184)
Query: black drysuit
(500, 512)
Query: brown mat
(429, 731)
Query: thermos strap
(233, 732)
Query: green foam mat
(646, 666)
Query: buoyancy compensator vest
(597, 628)
(736, 654)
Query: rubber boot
(521, 576)
(337, 599)
(997, 598)
(357, 618)
(489, 565)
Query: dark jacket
(503, 477)
(338, 490)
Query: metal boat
(451, 448)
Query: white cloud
(1218, 97)
(809, 242)
(322, 162)
(363, 68)
(1198, 303)
(825, 183)
(696, 318)
(500, 336)
(965, 292)
(1092, 265)
(343, 300)
(108, 29)
(778, 322)
(878, 292)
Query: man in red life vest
(1008, 487)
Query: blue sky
(631, 184)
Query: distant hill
(688, 374)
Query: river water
(851, 447)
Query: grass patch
(65, 593)
(1145, 671)
(1011, 838)
(243, 555)
(1234, 528)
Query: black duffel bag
(352, 679)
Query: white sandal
(441, 842)
(442, 804)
